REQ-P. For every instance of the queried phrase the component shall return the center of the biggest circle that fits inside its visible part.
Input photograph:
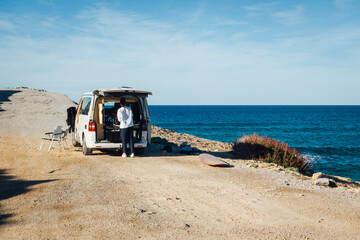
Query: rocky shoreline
(175, 139)
(166, 137)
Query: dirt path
(69, 196)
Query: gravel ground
(160, 195)
(65, 195)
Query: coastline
(160, 195)
(327, 135)
(220, 149)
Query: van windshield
(110, 105)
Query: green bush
(270, 150)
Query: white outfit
(125, 117)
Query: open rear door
(121, 92)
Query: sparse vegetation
(270, 150)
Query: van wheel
(74, 142)
(139, 151)
(86, 150)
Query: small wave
(313, 158)
(328, 151)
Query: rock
(332, 183)
(166, 136)
(349, 180)
(317, 176)
(322, 182)
(52, 171)
(293, 169)
(167, 148)
(183, 144)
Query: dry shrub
(266, 149)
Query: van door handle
(85, 126)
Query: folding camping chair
(58, 135)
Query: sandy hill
(30, 112)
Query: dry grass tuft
(270, 150)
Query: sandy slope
(65, 195)
(31, 112)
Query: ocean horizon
(328, 135)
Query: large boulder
(322, 182)
(317, 176)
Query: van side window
(78, 110)
(86, 106)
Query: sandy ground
(65, 195)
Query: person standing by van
(125, 117)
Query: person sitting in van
(112, 119)
(125, 117)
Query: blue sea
(328, 135)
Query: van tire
(86, 150)
(74, 142)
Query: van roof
(118, 90)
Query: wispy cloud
(195, 15)
(5, 21)
(261, 6)
(106, 47)
(46, 2)
(225, 21)
(5, 25)
(342, 4)
(345, 7)
(290, 17)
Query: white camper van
(92, 130)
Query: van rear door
(121, 92)
(124, 92)
(147, 118)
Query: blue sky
(186, 52)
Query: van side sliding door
(84, 118)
